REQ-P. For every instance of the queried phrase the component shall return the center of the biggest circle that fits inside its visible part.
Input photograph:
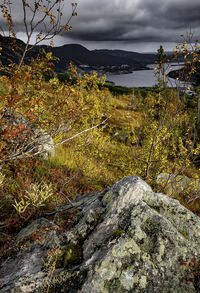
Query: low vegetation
(146, 132)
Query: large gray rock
(175, 184)
(43, 144)
(129, 239)
(34, 141)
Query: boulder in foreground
(128, 239)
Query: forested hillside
(106, 60)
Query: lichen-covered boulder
(29, 139)
(43, 144)
(127, 239)
(175, 184)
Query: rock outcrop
(126, 239)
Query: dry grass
(106, 166)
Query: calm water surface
(141, 78)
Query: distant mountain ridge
(144, 58)
(100, 60)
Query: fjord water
(142, 78)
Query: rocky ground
(124, 239)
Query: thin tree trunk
(24, 53)
(198, 113)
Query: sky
(133, 25)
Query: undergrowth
(147, 132)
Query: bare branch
(80, 133)
(20, 154)
(47, 32)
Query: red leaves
(13, 131)
(13, 224)
(192, 268)
(184, 263)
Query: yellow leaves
(52, 18)
(52, 43)
(2, 176)
(20, 90)
(5, 86)
(21, 206)
(196, 151)
(67, 28)
(26, 154)
(35, 196)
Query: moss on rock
(72, 254)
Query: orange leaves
(15, 98)
(28, 76)
(30, 115)
(13, 131)
(32, 102)
(51, 64)
(21, 126)
(52, 43)
(67, 28)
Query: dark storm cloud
(126, 21)
(144, 20)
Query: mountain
(144, 58)
(86, 60)
(11, 50)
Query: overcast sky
(135, 25)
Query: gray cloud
(137, 20)
(128, 21)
